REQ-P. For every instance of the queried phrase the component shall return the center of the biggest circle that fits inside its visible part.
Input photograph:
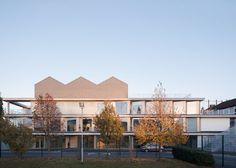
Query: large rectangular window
(135, 123)
(71, 125)
(125, 125)
(137, 107)
(100, 107)
(121, 107)
(232, 122)
(87, 124)
(192, 125)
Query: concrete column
(198, 124)
(145, 109)
(8, 107)
(95, 142)
(186, 107)
(131, 142)
(172, 107)
(77, 124)
(131, 125)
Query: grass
(94, 163)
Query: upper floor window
(192, 125)
(71, 125)
(137, 107)
(100, 107)
(87, 124)
(232, 122)
(121, 107)
(125, 125)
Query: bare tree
(47, 117)
(161, 126)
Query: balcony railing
(19, 111)
(229, 111)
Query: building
(221, 117)
(69, 96)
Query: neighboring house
(221, 117)
(130, 110)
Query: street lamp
(81, 105)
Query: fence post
(223, 152)
(61, 145)
(202, 142)
(0, 148)
(99, 150)
(41, 145)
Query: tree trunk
(48, 146)
(106, 143)
(107, 148)
(159, 151)
(0, 148)
(156, 150)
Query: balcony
(228, 111)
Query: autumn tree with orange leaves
(161, 126)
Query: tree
(1, 108)
(19, 138)
(161, 126)
(46, 117)
(109, 125)
(2, 126)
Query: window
(232, 122)
(100, 107)
(192, 125)
(135, 123)
(87, 124)
(124, 125)
(37, 143)
(137, 107)
(38, 126)
(121, 107)
(71, 125)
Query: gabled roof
(112, 79)
(80, 81)
(226, 104)
(50, 79)
(82, 88)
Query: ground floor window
(192, 141)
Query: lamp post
(81, 105)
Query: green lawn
(94, 163)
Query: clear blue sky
(188, 45)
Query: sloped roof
(82, 88)
(226, 104)
(50, 79)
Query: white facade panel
(74, 108)
(193, 107)
(215, 124)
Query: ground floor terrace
(93, 141)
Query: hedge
(191, 155)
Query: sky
(190, 46)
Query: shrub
(191, 155)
